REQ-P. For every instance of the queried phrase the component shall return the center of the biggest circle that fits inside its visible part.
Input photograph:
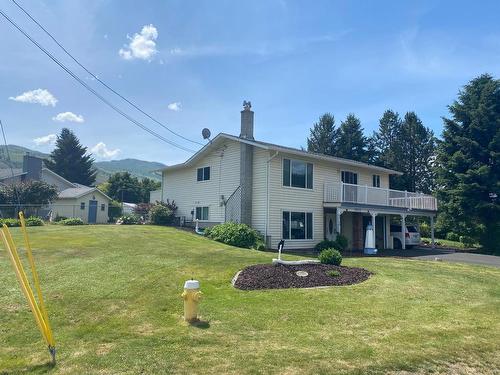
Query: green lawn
(113, 294)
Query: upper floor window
(203, 174)
(297, 173)
(349, 177)
(376, 180)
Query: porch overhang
(388, 210)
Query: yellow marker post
(38, 308)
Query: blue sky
(192, 63)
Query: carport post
(433, 245)
(337, 221)
(374, 215)
(403, 232)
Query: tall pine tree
(351, 143)
(70, 160)
(384, 139)
(468, 163)
(323, 136)
(413, 153)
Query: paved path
(446, 255)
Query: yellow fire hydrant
(191, 296)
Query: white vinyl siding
(181, 184)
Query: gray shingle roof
(75, 192)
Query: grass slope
(113, 294)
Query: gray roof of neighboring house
(278, 148)
(78, 192)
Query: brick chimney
(246, 164)
(247, 121)
(32, 166)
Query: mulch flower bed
(268, 276)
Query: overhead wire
(100, 80)
(91, 90)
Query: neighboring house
(73, 200)
(155, 196)
(286, 193)
(128, 208)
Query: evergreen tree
(124, 187)
(384, 139)
(351, 143)
(323, 136)
(70, 160)
(413, 153)
(468, 163)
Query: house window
(201, 213)
(297, 225)
(297, 173)
(376, 180)
(349, 177)
(82, 206)
(203, 174)
(103, 207)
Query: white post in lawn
(403, 232)
(433, 245)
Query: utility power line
(95, 93)
(99, 80)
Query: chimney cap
(247, 105)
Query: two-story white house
(286, 193)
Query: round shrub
(342, 242)
(72, 221)
(34, 221)
(240, 235)
(450, 236)
(325, 244)
(59, 218)
(129, 220)
(467, 241)
(330, 256)
(161, 215)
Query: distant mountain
(137, 168)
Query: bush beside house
(234, 234)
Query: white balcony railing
(340, 192)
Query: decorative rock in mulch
(268, 276)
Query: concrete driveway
(444, 255)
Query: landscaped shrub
(342, 242)
(450, 236)
(114, 210)
(333, 273)
(34, 221)
(240, 235)
(467, 241)
(10, 222)
(425, 229)
(129, 220)
(142, 209)
(325, 244)
(59, 218)
(161, 215)
(72, 221)
(330, 256)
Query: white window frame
(196, 213)
(348, 171)
(376, 180)
(290, 211)
(290, 174)
(203, 174)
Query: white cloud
(69, 117)
(103, 152)
(176, 106)
(39, 96)
(46, 140)
(142, 45)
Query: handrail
(364, 194)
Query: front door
(330, 227)
(92, 212)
